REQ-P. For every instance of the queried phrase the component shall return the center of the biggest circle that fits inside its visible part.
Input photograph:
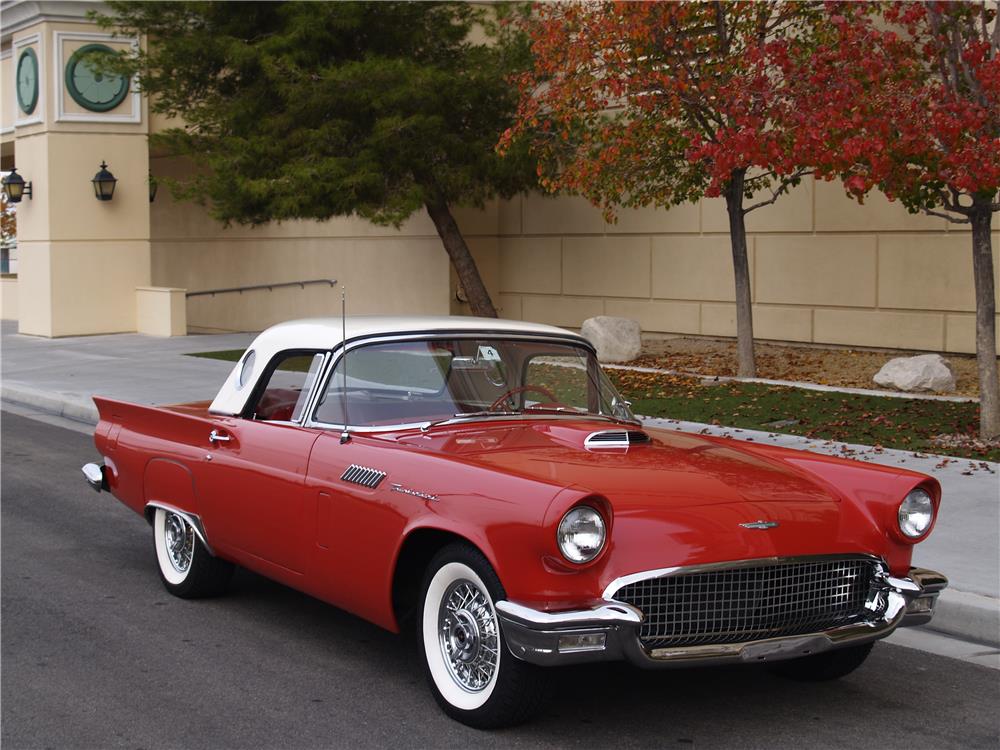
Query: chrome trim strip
(191, 518)
(612, 588)
(313, 399)
(788, 646)
(606, 613)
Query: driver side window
(290, 379)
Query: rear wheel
(830, 665)
(473, 676)
(185, 566)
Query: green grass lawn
(908, 424)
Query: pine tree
(312, 110)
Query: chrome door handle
(216, 437)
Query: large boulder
(615, 339)
(927, 372)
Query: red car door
(252, 489)
(358, 520)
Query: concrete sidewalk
(62, 375)
(59, 377)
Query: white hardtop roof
(327, 333)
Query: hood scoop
(615, 439)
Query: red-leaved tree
(905, 98)
(634, 104)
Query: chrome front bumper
(609, 631)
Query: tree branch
(783, 187)
(955, 204)
(974, 88)
(948, 217)
(995, 41)
(720, 27)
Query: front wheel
(831, 665)
(473, 676)
(185, 566)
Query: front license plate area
(786, 648)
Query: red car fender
(169, 481)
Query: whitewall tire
(185, 566)
(473, 676)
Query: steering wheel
(524, 389)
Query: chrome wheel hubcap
(178, 538)
(469, 636)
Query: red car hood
(675, 470)
(680, 499)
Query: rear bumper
(94, 474)
(610, 631)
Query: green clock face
(98, 92)
(27, 81)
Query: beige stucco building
(824, 269)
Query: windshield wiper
(527, 411)
(472, 414)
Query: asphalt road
(96, 654)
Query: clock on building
(92, 89)
(27, 81)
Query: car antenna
(345, 435)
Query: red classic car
(482, 481)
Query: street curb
(968, 616)
(59, 404)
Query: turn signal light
(585, 642)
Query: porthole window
(92, 89)
(27, 81)
(246, 372)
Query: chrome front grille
(751, 601)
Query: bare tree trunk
(986, 307)
(746, 363)
(461, 259)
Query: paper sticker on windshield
(488, 354)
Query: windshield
(425, 381)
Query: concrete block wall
(823, 269)
(385, 270)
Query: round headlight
(916, 513)
(581, 534)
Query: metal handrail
(269, 287)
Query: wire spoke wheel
(469, 636)
(178, 540)
(474, 677)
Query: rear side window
(291, 378)
(246, 369)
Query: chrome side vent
(366, 477)
(615, 439)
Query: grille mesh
(750, 603)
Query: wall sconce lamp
(104, 183)
(153, 187)
(15, 188)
